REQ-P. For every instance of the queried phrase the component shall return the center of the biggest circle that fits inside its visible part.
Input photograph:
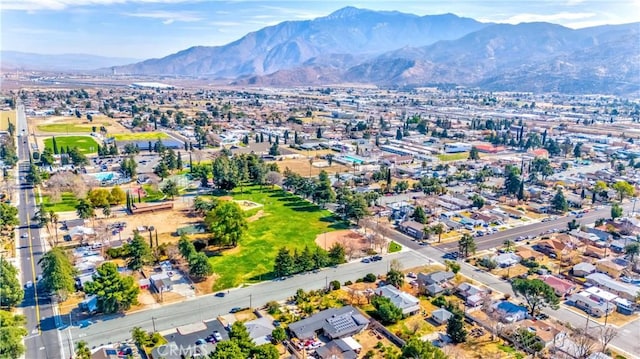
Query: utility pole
(250, 301)
(153, 320)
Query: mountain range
(394, 49)
(14, 60)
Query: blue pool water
(353, 159)
(105, 176)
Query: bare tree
(607, 334)
(584, 342)
(273, 178)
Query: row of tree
(199, 265)
(288, 263)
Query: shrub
(488, 263)
(370, 278)
(199, 245)
(439, 301)
(348, 283)
(359, 280)
(334, 285)
(273, 307)
(118, 252)
(529, 263)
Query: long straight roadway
(43, 339)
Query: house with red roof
(561, 287)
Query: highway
(43, 339)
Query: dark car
(235, 310)
(221, 294)
(376, 258)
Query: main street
(43, 339)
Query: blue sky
(155, 28)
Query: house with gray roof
(623, 290)
(333, 323)
(405, 301)
(583, 269)
(260, 330)
(441, 316)
(433, 283)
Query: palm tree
(508, 245)
(632, 251)
(53, 218)
(82, 350)
(439, 230)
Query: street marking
(31, 258)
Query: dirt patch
(205, 286)
(302, 167)
(348, 238)
(146, 298)
(257, 216)
(369, 339)
(245, 315)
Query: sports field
(5, 118)
(140, 136)
(86, 144)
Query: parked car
(221, 294)
(235, 310)
(365, 260)
(217, 336)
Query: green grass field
(394, 247)
(70, 127)
(288, 221)
(86, 144)
(453, 156)
(5, 118)
(67, 203)
(140, 136)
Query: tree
(34, 176)
(57, 272)
(478, 200)
(186, 248)
(386, 310)
(170, 189)
(455, 329)
(474, 154)
(337, 254)
(77, 157)
(273, 178)
(265, 351)
(226, 223)
(623, 188)
(395, 278)
(11, 292)
(323, 193)
(438, 229)
(537, 293)
(631, 251)
(128, 167)
(452, 266)
(12, 332)
(279, 335)
(607, 334)
(559, 202)
(283, 264)
(577, 150)
(225, 175)
(616, 211)
(82, 350)
(84, 209)
(139, 252)
(8, 216)
(240, 336)
(161, 170)
(419, 215)
(199, 266)
(466, 245)
(228, 349)
(512, 181)
(416, 348)
(115, 292)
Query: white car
(28, 285)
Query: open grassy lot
(86, 144)
(286, 220)
(67, 203)
(70, 127)
(453, 156)
(5, 118)
(140, 136)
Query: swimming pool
(105, 176)
(352, 159)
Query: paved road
(43, 340)
(117, 328)
(496, 240)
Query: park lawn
(140, 136)
(288, 221)
(394, 247)
(70, 127)
(5, 118)
(86, 144)
(67, 203)
(453, 156)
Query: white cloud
(168, 17)
(32, 5)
